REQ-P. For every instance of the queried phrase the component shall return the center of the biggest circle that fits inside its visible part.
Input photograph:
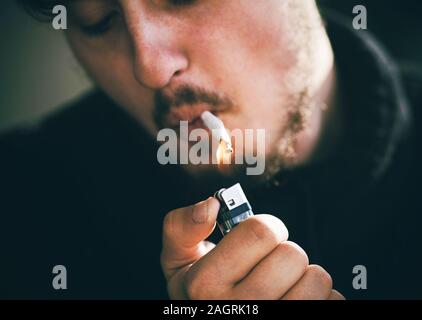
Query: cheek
(250, 55)
(111, 70)
(259, 79)
(256, 64)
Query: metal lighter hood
(234, 209)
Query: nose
(157, 53)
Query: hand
(253, 261)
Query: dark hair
(40, 9)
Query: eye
(181, 2)
(99, 28)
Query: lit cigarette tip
(217, 128)
(228, 146)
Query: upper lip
(190, 113)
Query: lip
(190, 113)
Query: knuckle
(268, 227)
(319, 274)
(201, 283)
(295, 252)
(193, 285)
(197, 286)
(261, 230)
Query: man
(85, 190)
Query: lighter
(234, 208)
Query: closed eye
(99, 28)
(181, 2)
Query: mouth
(191, 114)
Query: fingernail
(200, 212)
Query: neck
(322, 134)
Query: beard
(281, 157)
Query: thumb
(184, 230)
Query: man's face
(255, 64)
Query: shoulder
(83, 126)
(412, 79)
(40, 164)
(70, 120)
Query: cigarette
(217, 128)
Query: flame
(224, 153)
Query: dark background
(398, 23)
(38, 72)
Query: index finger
(241, 250)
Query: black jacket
(84, 190)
